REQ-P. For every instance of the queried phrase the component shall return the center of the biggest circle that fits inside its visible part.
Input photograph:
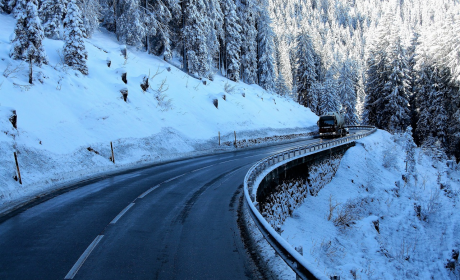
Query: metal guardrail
(258, 171)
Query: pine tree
(412, 79)
(108, 17)
(248, 13)
(330, 99)
(130, 25)
(305, 69)
(266, 49)
(75, 54)
(195, 40)
(28, 40)
(280, 86)
(347, 93)
(316, 94)
(51, 13)
(90, 17)
(215, 34)
(409, 147)
(432, 119)
(395, 114)
(232, 40)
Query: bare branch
(11, 71)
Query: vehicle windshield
(326, 121)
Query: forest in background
(392, 64)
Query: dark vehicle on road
(332, 125)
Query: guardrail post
(300, 251)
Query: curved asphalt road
(172, 221)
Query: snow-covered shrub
(322, 173)
(432, 148)
(352, 210)
(390, 158)
(282, 202)
(432, 204)
(228, 88)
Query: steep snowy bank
(64, 113)
(376, 230)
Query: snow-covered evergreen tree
(395, 114)
(215, 34)
(347, 93)
(75, 54)
(280, 86)
(266, 49)
(305, 69)
(108, 16)
(28, 34)
(248, 14)
(91, 16)
(330, 99)
(196, 26)
(409, 147)
(130, 25)
(52, 13)
(232, 40)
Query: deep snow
(64, 113)
(405, 246)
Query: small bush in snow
(352, 210)
(390, 158)
(322, 173)
(228, 88)
(280, 205)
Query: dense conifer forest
(389, 63)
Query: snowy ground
(64, 113)
(382, 236)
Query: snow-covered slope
(63, 113)
(380, 235)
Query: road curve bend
(176, 220)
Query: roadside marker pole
(17, 168)
(113, 157)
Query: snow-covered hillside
(382, 227)
(64, 113)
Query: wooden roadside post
(113, 156)
(234, 143)
(219, 138)
(17, 168)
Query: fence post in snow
(219, 138)
(17, 168)
(113, 157)
(234, 143)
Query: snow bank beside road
(64, 113)
(375, 232)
